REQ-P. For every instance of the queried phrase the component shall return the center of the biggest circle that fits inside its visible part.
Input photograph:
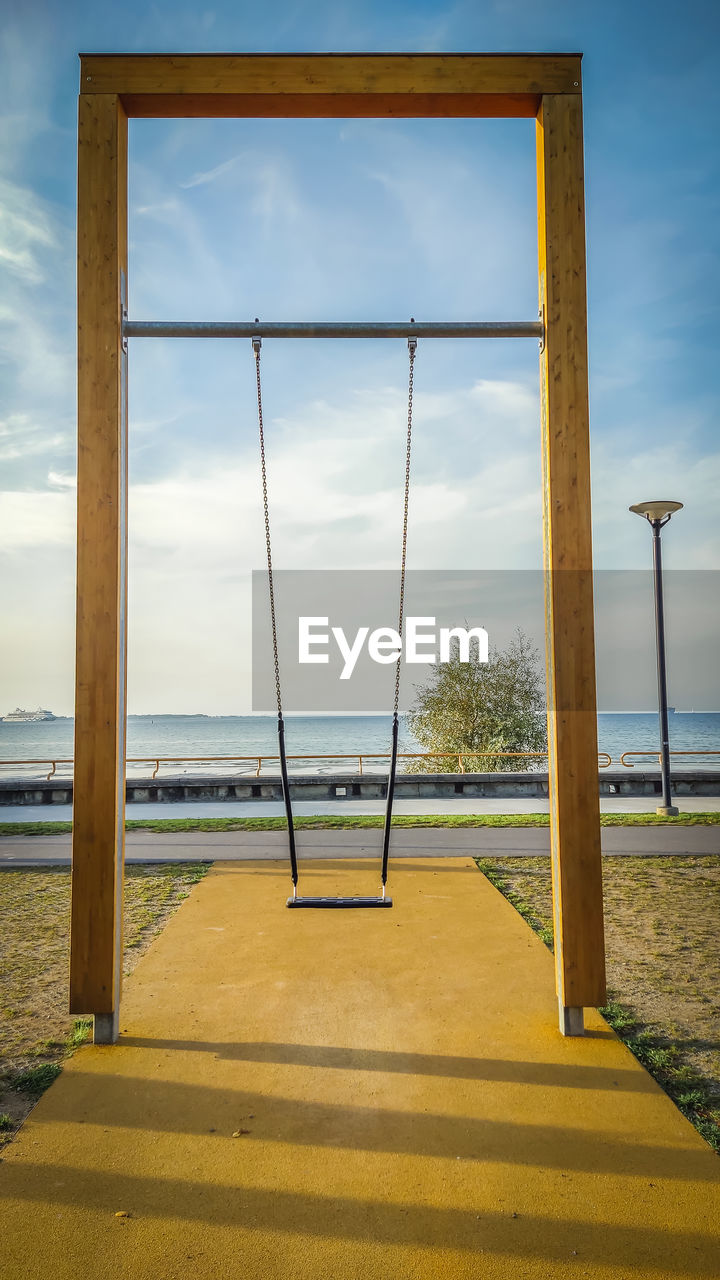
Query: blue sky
(348, 220)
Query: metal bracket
(123, 311)
(256, 345)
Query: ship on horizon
(19, 715)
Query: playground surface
(355, 1094)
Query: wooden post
(99, 778)
(570, 648)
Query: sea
(27, 747)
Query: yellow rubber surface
(359, 1095)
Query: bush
(482, 707)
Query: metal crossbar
(333, 329)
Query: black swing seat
(339, 902)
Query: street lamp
(657, 515)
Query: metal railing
(652, 751)
(604, 760)
(54, 764)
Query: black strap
(390, 794)
(286, 798)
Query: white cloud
(201, 179)
(37, 634)
(675, 470)
(24, 437)
(171, 254)
(36, 326)
(28, 58)
(275, 194)
(162, 210)
(316, 218)
(335, 474)
(36, 519)
(335, 471)
(40, 353)
(61, 481)
(25, 228)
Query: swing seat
(339, 902)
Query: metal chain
(256, 348)
(412, 348)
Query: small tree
(475, 706)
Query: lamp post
(657, 515)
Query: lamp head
(653, 511)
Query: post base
(106, 1027)
(572, 1020)
(667, 811)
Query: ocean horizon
(172, 736)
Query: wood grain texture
(343, 106)
(391, 81)
(98, 817)
(570, 647)
(331, 85)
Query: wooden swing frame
(114, 88)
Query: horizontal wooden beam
(333, 85)
(337, 106)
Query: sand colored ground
(367, 1094)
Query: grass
(541, 926)
(36, 1033)
(35, 1080)
(357, 822)
(687, 1088)
(663, 958)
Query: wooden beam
(333, 84)
(572, 712)
(344, 106)
(99, 782)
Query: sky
(333, 220)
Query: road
(436, 842)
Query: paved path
(324, 1095)
(236, 846)
(309, 808)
